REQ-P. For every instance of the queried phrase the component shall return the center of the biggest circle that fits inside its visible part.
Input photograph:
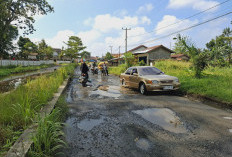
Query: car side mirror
(135, 74)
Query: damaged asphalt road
(111, 120)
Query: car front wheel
(142, 89)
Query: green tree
(85, 54)
(129, 59)
(30, 47)
(42, 49)
(18, 14)
(6, 41)
(198, 57)
(21, 43)
(179, 47)
(108, 56)
(74, 45)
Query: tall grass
(48, 140)
(5, 71)
(20, 107)
(118, 69)
(215, 83)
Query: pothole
(163, 117)
(89, 124)
(230, 130)
(107, 91)
(142, 143)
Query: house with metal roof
(150, 54)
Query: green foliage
(108, 56)
(21, 43)
(142, 63)
(75, 45)
(20, 107)
(48, 140)
(21, 13)
(118, 69)
(85, 54)
(5, 71)
(179, 47)
(198, 57)
(30, 47)
(129, 59)
(214, 82)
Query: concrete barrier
(28, 63)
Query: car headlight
(155, 82)
(176, 80)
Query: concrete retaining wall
(28, 63)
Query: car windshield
(150, 71)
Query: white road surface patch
(230, 130)
(229, 118)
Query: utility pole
(111, 47)
(119, 52)
(126, 29)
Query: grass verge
(215, 83)
(20, 107)
(8, 70)
(49, 138)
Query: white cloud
(145, 20)
(145, 8)
(61, 37)
(167, 25)
(88, 22)
(195, 4)
(106, 23)
(89, 36)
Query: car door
(134, 78)
(127, 75)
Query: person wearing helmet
(84, 72)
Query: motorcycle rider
(84, 72)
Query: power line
(212, 19)
(183, 19)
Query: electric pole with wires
(126, 29)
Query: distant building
(33, 56)
(180, 57)
(56, 53)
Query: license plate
(168, 87)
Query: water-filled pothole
(89, 124)
(142, 143)
(163, 117)
(107, 91)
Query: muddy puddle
(6, 86)
(107, 91)
(142, 143)
(163, 117)
(85, 124)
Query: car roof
(139, 67)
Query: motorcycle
(83, 79)
(94, 70)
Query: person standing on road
(105, 69)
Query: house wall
(160, 53)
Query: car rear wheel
(142, 89)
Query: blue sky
(99, 22)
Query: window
(134, 71)
(150, 71)
(128, 72)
